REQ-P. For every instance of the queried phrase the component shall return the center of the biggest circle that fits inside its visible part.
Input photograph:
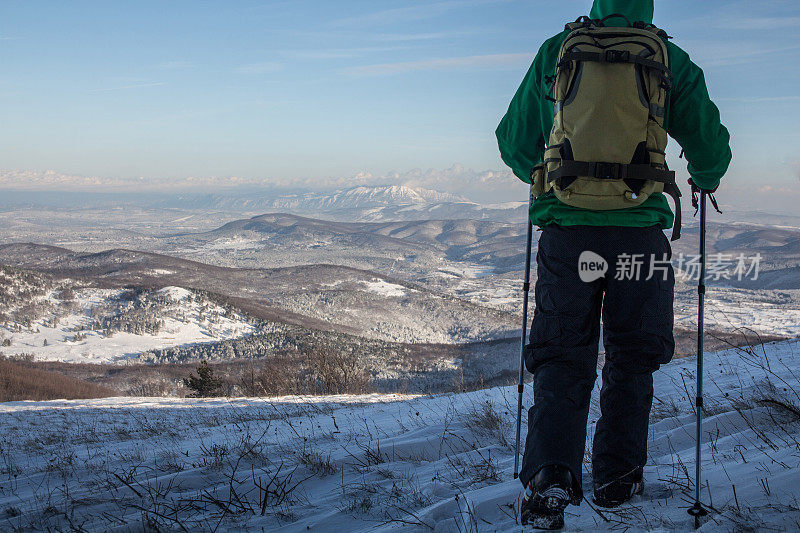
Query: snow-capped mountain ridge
(390, 202)
(368, 197)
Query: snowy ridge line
(158, 402)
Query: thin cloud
(486, 61)
(404, 37)
(758, 23)
(259, 68)
(176, 65)
(760, 99)
(384, 42)
(719, 54)
(343, 53)
(125, 87)
(411, 13)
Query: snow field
(413, 463)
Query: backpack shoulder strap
(651, 28)
(580, 22)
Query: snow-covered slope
(106, 325)
(367, 463)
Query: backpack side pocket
(537, 180)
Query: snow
(736, 309)
(382, 463)
(176, 294)
(467, 270)
(185, 322)
(159, 272)
(384, 288)
(505, 205)
(231, 244)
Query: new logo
(591, 266)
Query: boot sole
(552, 501)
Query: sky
(315, 93)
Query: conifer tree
(204, 384)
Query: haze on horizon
(319, 95)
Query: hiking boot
(546, 497)
(616, 492)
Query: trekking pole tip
(697, 510)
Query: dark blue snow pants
(634, 299)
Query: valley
(421, 304)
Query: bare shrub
(663, 409)
(478, 467)
(214, 455)
(338, 372)
(67, 294)
(485, 419)
(280, 375)
(781, 398)
(317, 371)
(317, 463)
(155, 387)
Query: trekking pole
(697, 510)
(525, 290)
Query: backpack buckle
(617, 56)
(608, 171)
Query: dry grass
(21, 380)
(318, 371)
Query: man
(635, 305)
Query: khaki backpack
(607, 146)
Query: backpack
(607, 146)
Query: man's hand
(698, 189)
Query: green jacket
(691, 118)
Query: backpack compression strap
(618, 171)
(613, 56)
(636, 171)
(617, 56)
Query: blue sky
(319, 91)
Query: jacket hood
(635, 10)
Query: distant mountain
(358, 204)
(368, 197)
